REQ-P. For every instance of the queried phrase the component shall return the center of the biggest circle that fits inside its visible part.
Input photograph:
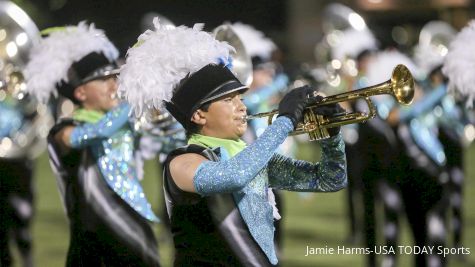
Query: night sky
(121, 18)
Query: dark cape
(102, 224)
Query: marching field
(310, 221)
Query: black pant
(16, 209)
(99, 249)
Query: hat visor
(101, 73)
(225, 89)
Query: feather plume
(459, 65)
(51, 58)
(161, 59)
(255, 42)
(351, 42)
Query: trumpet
(400, 86)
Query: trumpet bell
(402, 84)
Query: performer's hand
(294, 102)
(328, 111)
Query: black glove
(294, 102)
(328, 111)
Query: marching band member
(357, 46)
(417, 182)
(92, 153)
(456, 121)
(24, 124)
(216, 187)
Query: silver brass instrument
(24, 123)
(433, 45)
(437, 34)
(400, 86)
(242, 64)
(336, 53)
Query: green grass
(315, 220)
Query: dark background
(295, 25)
(121, 18)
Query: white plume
(351, 42)
(51, 58)
(427, 58)
(459, 65)
(382, 64)
(162, 58)
(255, 42)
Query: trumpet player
(92, 153)
(20, 124)
(217, 187)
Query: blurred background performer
(458, 116)
(349, 45)
(447, 116)
(417, 181)
(24, 124)
(378, 144)
(92, 153)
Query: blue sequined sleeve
(425, 104)
(89, 133)
(233, 174)
(328, 175)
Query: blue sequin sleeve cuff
(328, 175)
(89, 133)
(233, 174)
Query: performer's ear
(80, 94)
(198, 117)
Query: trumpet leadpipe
(260, 115)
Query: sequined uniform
(247, 177)
(112, 144)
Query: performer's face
(223, 119)
(98, 94)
